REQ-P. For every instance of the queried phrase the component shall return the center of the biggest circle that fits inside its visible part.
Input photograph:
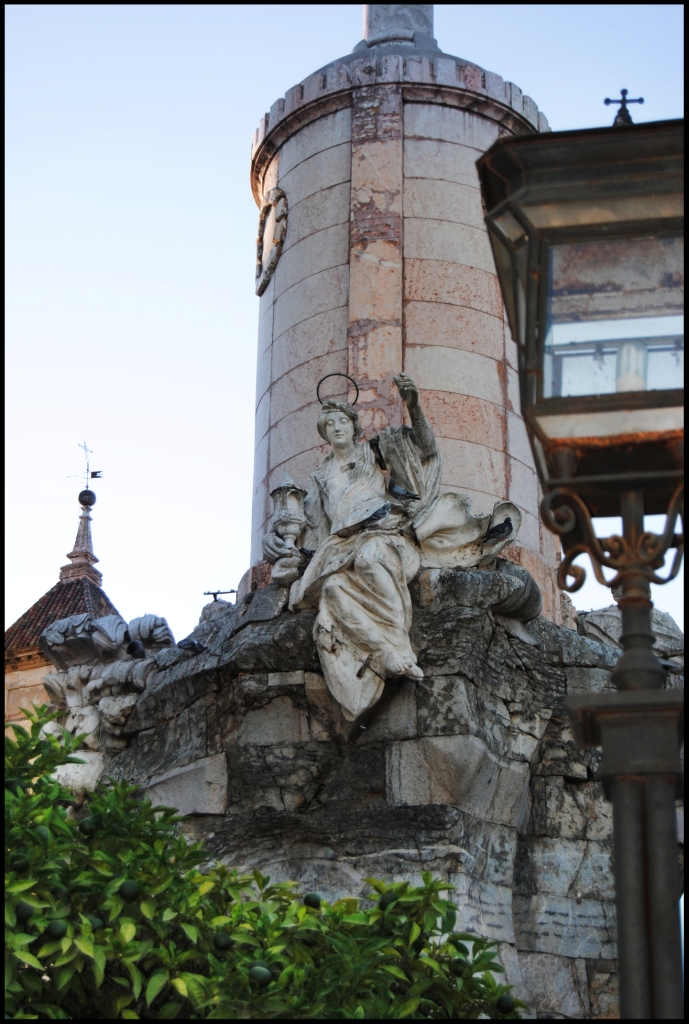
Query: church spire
(82, 556)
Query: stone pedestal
(471, 773)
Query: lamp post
(587, 233)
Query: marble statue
(371, 516)
(102, 665)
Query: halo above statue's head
(346, 376)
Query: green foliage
(117, 921)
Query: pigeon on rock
(191, 645)
(499, 531)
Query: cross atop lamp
(622, 116)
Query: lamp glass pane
(615, 317)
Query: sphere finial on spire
(81, 556)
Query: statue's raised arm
(421, 432)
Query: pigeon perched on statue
(499, 531)
(379, 514)
(400, 493)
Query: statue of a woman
(366, 530)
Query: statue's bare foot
(399, 665)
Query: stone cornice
(425, 79)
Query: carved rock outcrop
(471, 772)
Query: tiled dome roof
(68, 597)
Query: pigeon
(136, 649)
(500, 531)
(191, 645)
(400, 493)
(380, 513)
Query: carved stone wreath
(272, 222)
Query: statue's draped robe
(359, 573)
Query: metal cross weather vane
(623, 116)
(96, 474)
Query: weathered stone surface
(82, 778)
(573, 928)
(276, 723)
(265, 605)
(605, 625)
(471, 773)
(197, 788)
(547, 865)
(460, 771)
(555, 985)
(603, 989)
(509, 958)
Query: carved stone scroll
(272, 228)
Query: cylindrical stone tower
(373, 258)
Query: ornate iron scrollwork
(567, 515)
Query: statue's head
(338, 422)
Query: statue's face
(340, 429)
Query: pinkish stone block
(317, 212)
(465, 418)
(316, 294)
(435, 199)
(446, 72)
(495, 87)
(263, 416)
(443, 281)
(263, 378)
(448, 124)
(325, 333)
(293, 433)
(443, 240)
(363, 72)
(338, 78)
(463, 373)
(265, 331)
(518, 445)
(315, 253)
(331, 130)
(324, 169)
(430, 158)
(389, 68)
(417, 69)
(513, 398)
(439, 323)
(523, 487)
(474, 466)
(529, 535)
(297, 388)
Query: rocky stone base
(471, 773)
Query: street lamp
(587, 233)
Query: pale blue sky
(131, 314)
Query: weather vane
(622, 116)
(89, 474)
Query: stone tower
(373, 257)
